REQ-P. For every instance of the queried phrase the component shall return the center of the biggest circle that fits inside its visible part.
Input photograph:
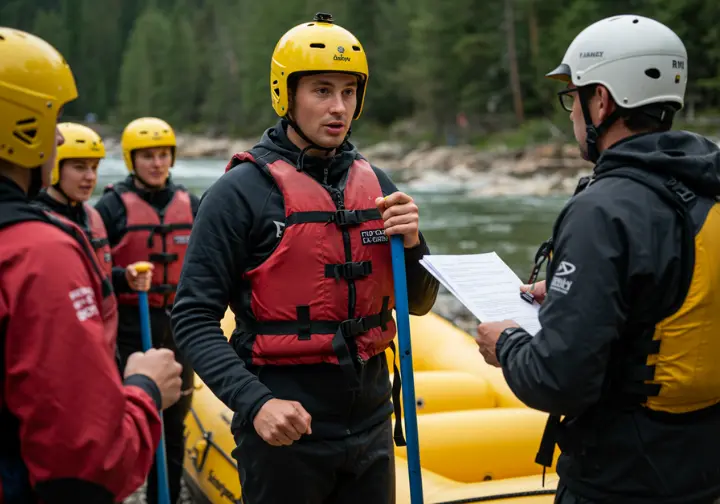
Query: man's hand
(139, 280)
(487, 337)
(280, 423)
(161, 367)
(400, 214)
(538, 290)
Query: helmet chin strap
(312, 145)
(592, 132)
(70, 201)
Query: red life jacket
(160, 238)
(325, 294)
(10, 456)
(98, 239)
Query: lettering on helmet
(592, 54)
(340, 57)
(678, 64)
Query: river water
(452, 221)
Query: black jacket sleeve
(216, 255)
(562, 368)
(421, 285)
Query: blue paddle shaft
(163, 486)
(402, 314)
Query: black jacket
(617, 264)
(235, 231)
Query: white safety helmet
(639, 60)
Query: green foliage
(204, 64)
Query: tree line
(204, 64)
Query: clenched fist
(280, 423)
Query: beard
(582, 147)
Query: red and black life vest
(158, 237)
(99, 239)
(15, 484)
(325, 294)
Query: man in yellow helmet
(148, 218)
(73, 181)
(294, 238)
(70, 430)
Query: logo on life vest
(340, 57)
(181, 240)
(107, 257)
(373, 236)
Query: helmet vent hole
(2, 38)
(635, 21)
(29, 120)
(317, 45)
(80, 140)
(274, 83)
(144, 132)
(311, 24)
(356, 48)
(653, 73)
(165, 131)
(23, 137)
(277, 92)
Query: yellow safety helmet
(144, 133)
(81, 142)
(35, 83)
(317, 46)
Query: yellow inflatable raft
(477, 440)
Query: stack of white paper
(486, 286)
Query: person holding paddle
(70, 429)
(72, 182)
(294, 238)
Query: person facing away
(148, 218)
(294, 238)
(630, 309)
(70, 429)
(72, 182)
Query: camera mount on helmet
(323, 17)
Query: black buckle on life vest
(349, 270)
(99, 242)
(681, 190)
(163, 258)
(354, 327)
(345, 218)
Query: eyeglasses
(567, 98)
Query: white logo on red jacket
(83, 300)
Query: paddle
(402, 315)
(160, 457)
